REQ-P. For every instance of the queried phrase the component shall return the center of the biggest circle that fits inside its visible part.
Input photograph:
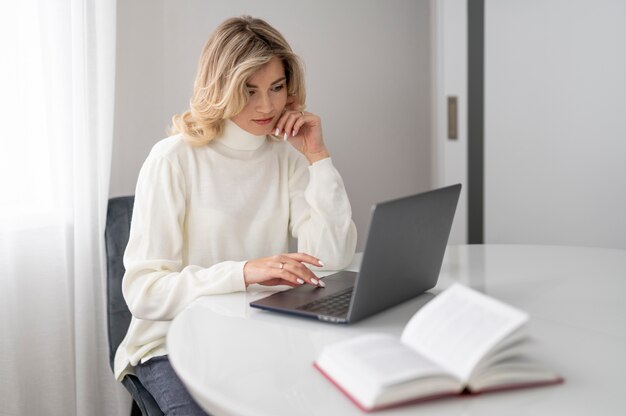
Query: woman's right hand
(282, 269)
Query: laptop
(406, 241)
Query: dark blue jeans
(159, 378)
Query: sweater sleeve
(157, 285)
(321, 216)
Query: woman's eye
(251, 92)
(278, 87)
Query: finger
(304, 258)
(301, 121)
(284, 126)
(280, 124)
(287, 275)
(298, 269)
(291, 119)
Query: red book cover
(464, 393)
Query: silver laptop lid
(406, 242)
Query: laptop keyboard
(333, 305)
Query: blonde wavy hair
(238, 48)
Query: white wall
(450, 156)
(555, 137)
(368, 67)
(140, 115)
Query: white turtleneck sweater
(201, 212)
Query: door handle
(453, 131)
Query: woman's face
(268, 96)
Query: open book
(462, 341)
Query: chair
(119, 214)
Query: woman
(215, 203)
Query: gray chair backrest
(119, 214)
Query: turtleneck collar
(237, 138)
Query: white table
(242, 361)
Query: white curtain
(56, 112)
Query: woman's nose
(264, 104)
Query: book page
(513, 372)
(379, 359)
(460, 326)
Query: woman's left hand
(304, 131)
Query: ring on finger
(282, 265)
